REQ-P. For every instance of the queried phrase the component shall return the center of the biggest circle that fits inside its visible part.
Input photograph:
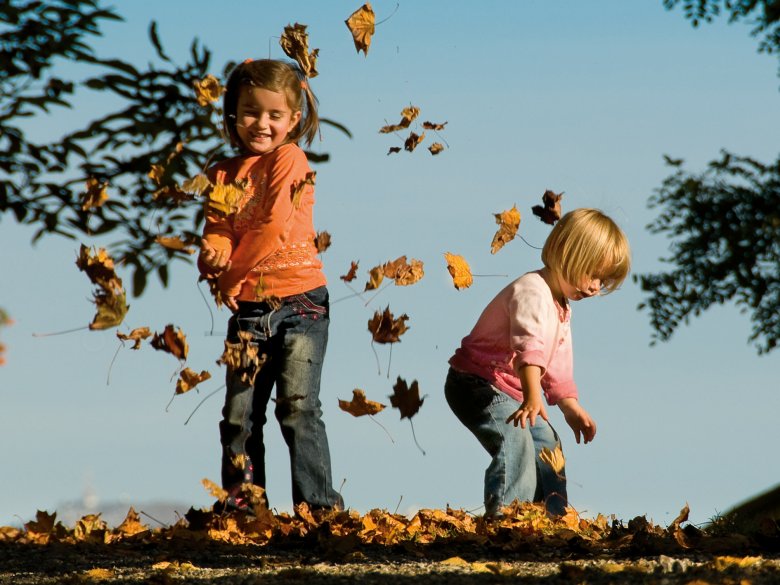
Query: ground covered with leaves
(434, 546)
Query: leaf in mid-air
(361, 25)
(459, 269)
(551, 211)
(295, 44)
(360, 405)
(385, 328)
(406, 398)
(508, 222)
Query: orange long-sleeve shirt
(270, 238)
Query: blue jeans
(293, 338)
(515, 471)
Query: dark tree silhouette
(156, 121)
(724, 222)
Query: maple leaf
(298, 188)
(295, 44)
(551, 212)
(404, 273)
(95, 194)
(385, 328)
(172, 341)
(375, 277)
(508, 222)
(196, 185)
(352, 274)
(243, 358)
(188, 379)
(553, 458)
(408, 115)
(459, 270)
(406, 398)
(436, 148)
(322, 241)
(413, 140)
(225, 198)
(175, 243)
(361, 25)
(208, 90)
(131, 525)
(360, 405)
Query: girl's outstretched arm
(578, 419)
(533, 404)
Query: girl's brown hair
(280, 76)
(584, 244)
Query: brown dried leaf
(375, 277)
(361, 25)
(408, 115)
(299, 187)
(394, 150)
(188, 379)
(196, 185)
(434, 126)
(413, 140)
(295, 44)
(508, 222)
(208, 90)
(436, 148)
(459, 270)
(385, 328)
(99, 267)
(404, 273)
(360, 405)
(406, 398)
(137, 335)
(322, 241)
(95, 195)
(175, 243)
(243, 358)
(352, 274)
(172, 341)
(551, 212)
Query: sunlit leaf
(361, 25)
(508, 222)
(173, 341)
(459, 269)
(360, 405)
(322, 241)
(385, 328)
(295, 44)
(208, 90)
(137, 335)
(95, 195)
(188, 379)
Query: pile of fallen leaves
(519, 527)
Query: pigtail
(309, 125)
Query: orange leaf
(208, 90)
(137, 335)
(404, 273)
(99, 267)
(551, 212)
(385, 329)
(298, 188)
(295, 44)
(95, 194)
(188, 379)
(131, 525)
(352, 274)
(508, 222)
(359, 405)
(175, 243)
(214, 490)
(174, 342)
(436, 148)
(375, 277)
(361, 25)
(459, 270)
(406, 398)
(322, 241)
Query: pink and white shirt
(523, 325)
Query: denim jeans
(293, 338)
(515, 471)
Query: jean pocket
(314, 301)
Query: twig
(531, 245)
(113, 359)
(153, 518)
(371, 416)
(202, 401)
(415, 437)
(211, 314)
(399, 504)
(60, 332)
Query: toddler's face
(263, 119)
(589, 287)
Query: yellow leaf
(360, 405)
(361, 25)
(553, 458)
(196, 185)
(214, 489)
(225, 198)
(508, 222)
(95, 194)
(111, 310)
(375, 277)
(208, 90)
(459, 269)
(188, 379)
(175, 243)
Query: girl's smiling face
(263, 119)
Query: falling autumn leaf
(413, 140)
(375, 277)
(408, 115)
(299, 187)
(225, 198)
(95, 195)
(322, 241)
(156, 173)
(188, 379)
(551, 212)
(243, 358)
(172, 341)
(351, 274)
(295, 44)
(406, 398)
(508, 222)
(385, 328)
(196, 185)
(208, 90)
(394, 150)
(404, 273)
(110, 297)
(137, 335)
(175, 243)
(436, 148)
(553, 458)
(360, 405)
(459, 270)
(434, 126)
(361, 25)
(172, 192)
(111, 310)
(214, 490)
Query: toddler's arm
(578, 419)
(532, 405)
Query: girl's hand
(578, 419)
(528, 411)
(218, 260)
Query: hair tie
(247, 61)
(304, 85)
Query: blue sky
(578, 97)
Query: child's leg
(512, 473)
(298, 407)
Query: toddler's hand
(528, 411)
(213, 258)
(578, 419)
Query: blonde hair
(279, 76)
(584, 244)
